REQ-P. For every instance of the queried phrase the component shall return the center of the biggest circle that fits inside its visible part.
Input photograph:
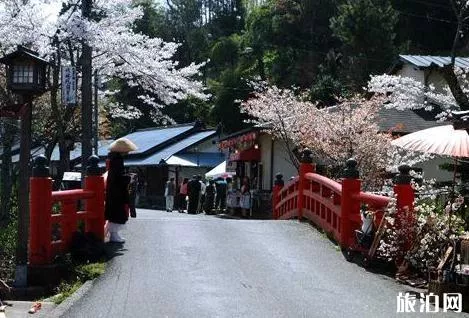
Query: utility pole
(96, 113)
(23, 196)
(86, 95)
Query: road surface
(179, 265)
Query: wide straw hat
(122, 145)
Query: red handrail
(72, 195)
(331, 184)
(373, 200)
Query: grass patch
(81, 274)
(65, 290)
(90, 271)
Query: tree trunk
(452, 81)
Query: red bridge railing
(55, 215)
(332, 206)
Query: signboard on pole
(69, 85)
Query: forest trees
(366, 31)
(328, 47)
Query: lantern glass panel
(23, 74)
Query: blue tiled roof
(167, 152)
(150, 138)
(76, 153)
(428, 60)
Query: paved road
(179, 265)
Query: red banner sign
(233, 142)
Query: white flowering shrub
(398, 233)
(421, 236)
(435, 230)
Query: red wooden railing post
(350, 205)
(40, 197)
(95, 206)
(306, 166)
(405, 204)
(278, 186)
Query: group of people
(197, 196)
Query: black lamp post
(26, 77)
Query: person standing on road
(203, 186)
(117, 193)
(182, 196)
(210, 193)
(133, 194)
(169, 192)
(245, 201)
(221, 188)
(193, 191)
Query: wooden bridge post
(278, 185)
(350, 205)
(40, 248)
(306, 166)
(94, 181)
(405, 202)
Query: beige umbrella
(441, 140)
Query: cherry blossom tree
(57, 30)
(408, 93)
(334, 134)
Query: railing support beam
(405, 203)
(350, 206)
(306, 166)
(40, 249)
(95, 206)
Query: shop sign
(243, 141)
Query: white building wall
(265, 145)
(282, 163)
(408, 70)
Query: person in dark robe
(221, 188)
(117, 191)
(193, 191)
(209, 202)
(133, 194)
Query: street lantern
(26, 77)
(26, 72)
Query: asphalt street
(179, 265)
